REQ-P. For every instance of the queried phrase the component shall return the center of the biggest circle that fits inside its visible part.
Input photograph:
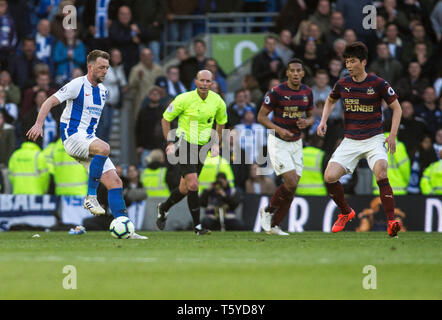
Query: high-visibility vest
(399, 170)
(431, 181)
(70, 177)
(48, 154)
(212, 166)
(312, 180)
(155, 182)
(28, 171)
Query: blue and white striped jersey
(84, 104)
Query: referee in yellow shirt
(197, 110)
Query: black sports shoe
(161, 217)
(202, 231)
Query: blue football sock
(116, 202)
(95, 171)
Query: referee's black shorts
(191, 159)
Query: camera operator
(220, 201)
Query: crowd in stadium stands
(38, 56)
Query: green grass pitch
(221, 266)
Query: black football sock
(193, 201)
(175, 197)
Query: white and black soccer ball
(121, 228)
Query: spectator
(425, 154)
(334, 69)
(96, 21)
(438, 143)
(50, 124)
(386, 66)
(133, 189)
(301, 35)
(21, 67)
(45, 43)
(68, 54)
(28, 170)
(312, 60)
(7, 140)
(42, 80)
(436, 20)
(350, 36)
(154, 176)
(267, 64)
(418, 36)
(293, 13)
(319, 107)
(336, 29)
(321, 89)
(148, 132)
(411, 129)
(394, 42)
(220, 201)
(10, 110)
(252, 138)
(190, 67)
(127, 37)
(412, 86)
(182, 54)
(429, 110)
(431, 182)
(321, 16)
(180, 30)
(142, 77)
(237, 110)
(8, 34)
(13, 93)
(259, 184)
(116, 84)
(57, 28)
(338, 48)
(284, 46)
(249, 83)
(215, 87)
(394, 14)
(149, 14)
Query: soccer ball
(122, 228)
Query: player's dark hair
(356, 50)
(95, 54)
(296, 60)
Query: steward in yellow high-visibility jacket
(28, 171)
(431, 181)
(312, 179)
(399, 170)
(154, 181)
(70, 177)
(212, 166)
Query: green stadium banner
(232, 50)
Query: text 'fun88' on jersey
(84, 104)
(288, 106)
(363, 105)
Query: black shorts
(191, 159)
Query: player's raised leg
(335, 190)
(99, 150)
(387, 197)
(163, 208)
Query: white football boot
(277, 230)
(136, 236)
(91, 203)
(266, 219)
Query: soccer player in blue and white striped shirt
(85, 98)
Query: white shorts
(350, 151)
(77, 146)
(285, 155)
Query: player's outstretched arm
(395, 121)
(37, 129)
(328, 108)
